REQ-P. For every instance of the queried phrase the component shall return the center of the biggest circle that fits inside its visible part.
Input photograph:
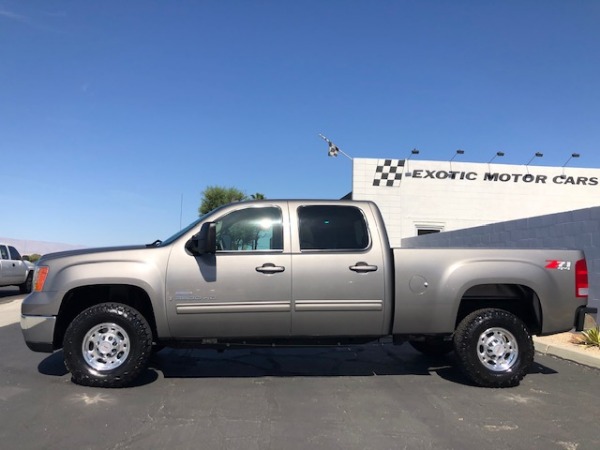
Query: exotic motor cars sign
(390, 172)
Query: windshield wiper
(156, 243)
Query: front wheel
(107, 345)
(494, 348)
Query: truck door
(244, 290)
(338, 277)
(19, 267)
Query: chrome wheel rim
(106, 346)
(497, 349)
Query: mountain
(26, 247)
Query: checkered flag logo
(388, 172)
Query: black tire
(26, 287)
(107, 345)
(494, 348)
(433, 347)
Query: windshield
(188, 228)
(182, 232)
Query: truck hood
(88, 251)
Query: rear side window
(15, 254)
(324, 227)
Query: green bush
(590, 337)
(34, 257)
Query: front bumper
(580, 316)
(38, 332)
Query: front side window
(3, 252)
(324, 227)
(250, 229)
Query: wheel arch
(518, 299)
(81, 298)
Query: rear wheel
(107, 345)
(26, 287)
(494, 348)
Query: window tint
(3, 252)
(332, 228)
(250, 229)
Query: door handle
(270, 268)
(362, 267)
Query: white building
(418, 197)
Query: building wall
(579, 229)
(443, 195)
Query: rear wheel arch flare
(520, 300)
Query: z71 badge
(558, 265)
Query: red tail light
(581, 278)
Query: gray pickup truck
(13, 270)
(297, 273)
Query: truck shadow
(10, 294)
(347, 361)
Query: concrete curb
(579, 354)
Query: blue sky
(111, 112)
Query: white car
(13, 270)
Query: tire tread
(468, 331)
(141, 343)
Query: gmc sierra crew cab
(295, 273)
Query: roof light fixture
(573, 155)
(498, 154)
(536, 155)
(458, 152)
